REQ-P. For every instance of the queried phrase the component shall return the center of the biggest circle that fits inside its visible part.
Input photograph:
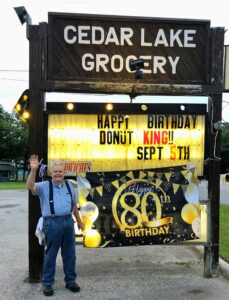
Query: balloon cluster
(191, 211)
(89, 213)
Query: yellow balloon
(92, 238)
(87, 222)
(198, 207)
(82, 197)
(82, 200)
(189, 212)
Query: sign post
(36, 145)
(211, 253)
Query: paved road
(147, 272)
(224, 191)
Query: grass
(224, 232)
(12, 185)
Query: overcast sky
(14, 46)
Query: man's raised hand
(34, 163)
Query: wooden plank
(36, 106)
(211, 253)
(127, 88)
(44, 50)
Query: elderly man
(58, 203)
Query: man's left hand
(81, 225)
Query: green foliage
(224, 232)
(225, 148)
(13, 136)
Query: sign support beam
(36, 141)
(211, 251)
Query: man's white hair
(56, 163)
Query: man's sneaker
(73, 287)
(47, 290)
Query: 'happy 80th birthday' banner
(139, 207)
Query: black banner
(139, 207)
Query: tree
(225, 149)
(13, 137)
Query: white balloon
(189, 176)
(83, 184)
(90, 210)
(196, 226)
(192, 193)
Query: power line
(13, 79)
(14, 70)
